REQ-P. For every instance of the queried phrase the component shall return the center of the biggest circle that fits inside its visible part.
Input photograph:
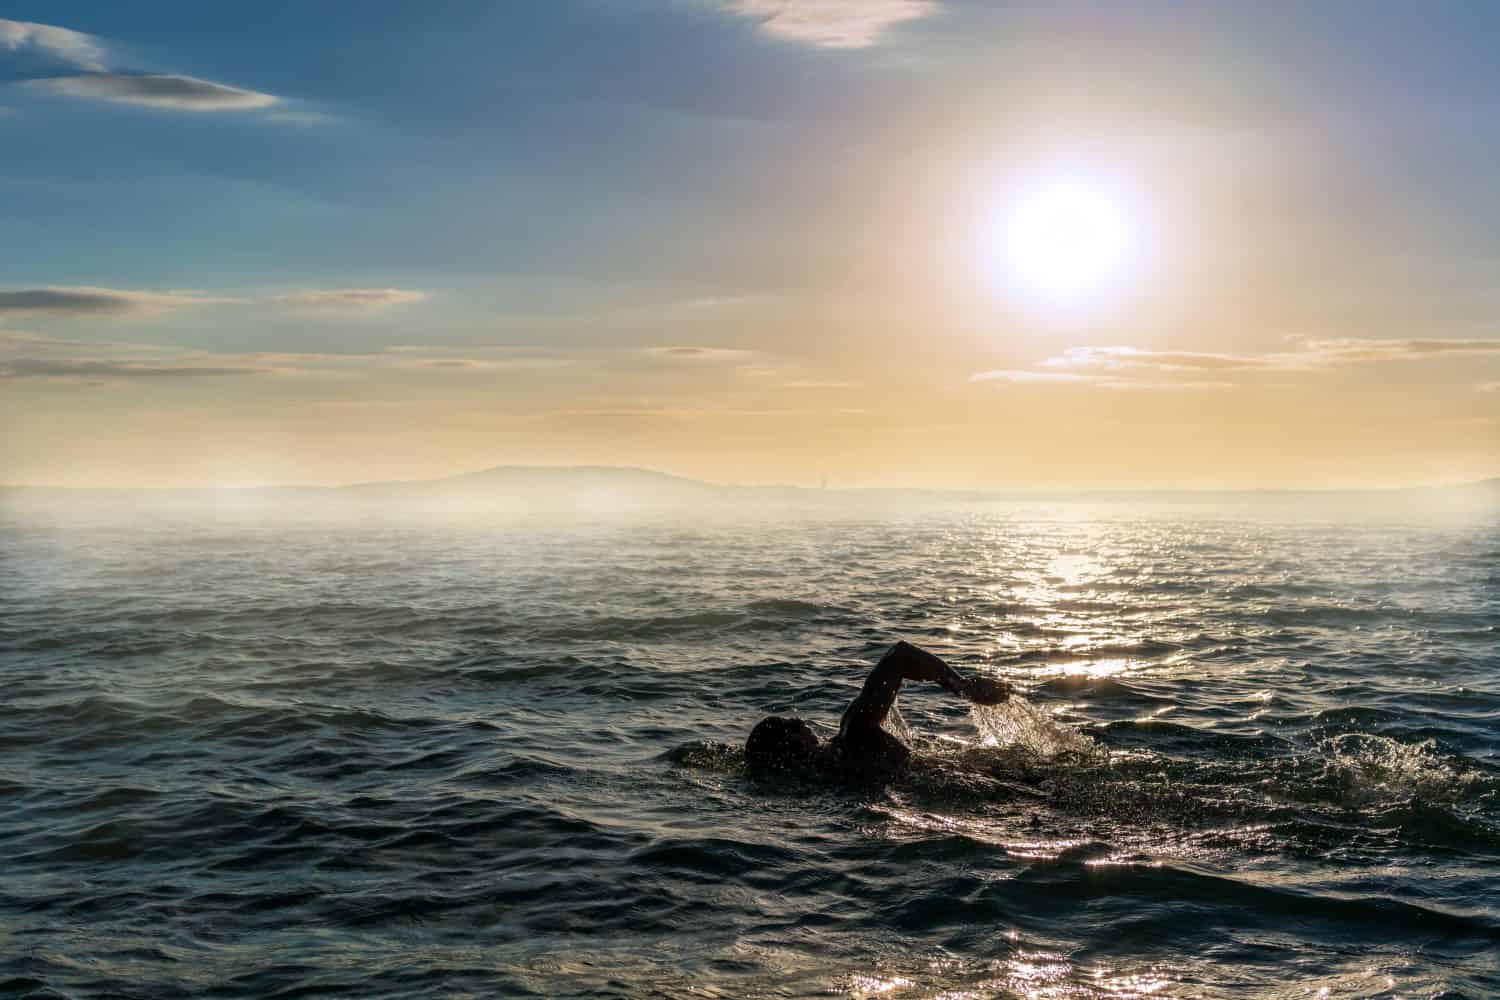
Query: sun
(1067, 241)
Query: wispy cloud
(303, 119)
(179, 93)
(364, 298)
(23, 341)
(98, 81)
(73, 48)
(697, 354)
(832, 24)
(1022, 377)
(32, 355)
(700, 412)
(1122, 367)
(1118, 358)
(94, 301)
(1358, 350)
(812, 383)
(484, 364)
(54, 368)
(1311, 354)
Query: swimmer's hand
(985, 690)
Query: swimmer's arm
(903, 661)
(916, 664)
(919, 665)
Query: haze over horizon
(906, 243)
(581, 481)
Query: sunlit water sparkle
(1256, 754)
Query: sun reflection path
(1036, 974)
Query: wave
(1212, 897)
(1096, 689)
(1361, 768)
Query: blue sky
(593, 191)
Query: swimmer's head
(779, 742)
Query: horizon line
(1008, 490)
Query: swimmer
(862, 749)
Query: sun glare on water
(1067, 241)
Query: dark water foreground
(243, 758)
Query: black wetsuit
(863, 748)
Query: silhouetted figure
(863, 749)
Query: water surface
(249, 756)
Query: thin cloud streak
(79, 51)
(1119, 367)
(14, 341)
(699, 413)
(72, 47)
(87, 301)
(178, 93)
(1314, 354)
(48, 368)
(275, 363)
(1021, 377)
(365, 298)
(1358, 350)
(831, 24)
(1117, 358)
(697, 354)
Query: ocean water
(1256, 754)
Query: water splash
(1018, 723)
(896, 725)
(1364, 769)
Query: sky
(751, 241)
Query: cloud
(831, 24)
(1357, 350)
(18, 341)
(303, 119)
(63, 44)
(31, 355)
(1133, 384)
(478, 365)
(1117, 358)
(1108, 381)
(93, 301)
(77, 51)
(179, 93)
(366, 298)
(688, 353)
(48, 368)
(1012, 375)
(699, 412)
(723, 301)
(809, 383)
(452, 363)
(1118, 367)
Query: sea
(1254, 751)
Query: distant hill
(596, 489)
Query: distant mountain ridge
(602, 486)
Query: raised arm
(903, 661)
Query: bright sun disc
(1066, 242)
